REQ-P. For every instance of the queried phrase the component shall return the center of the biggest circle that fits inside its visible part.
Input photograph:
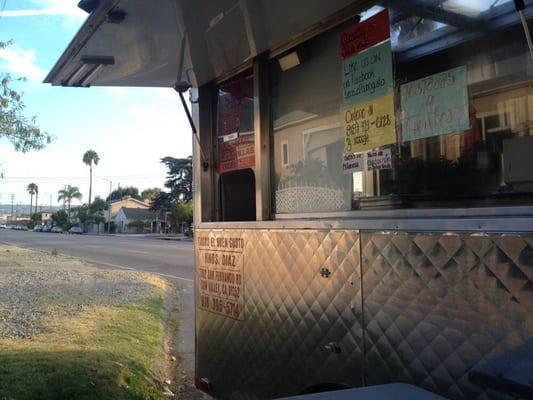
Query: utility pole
(109, 205)
(12, 204)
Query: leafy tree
(179, 183)
(89, 158)
(90, 214)
(32, 189)
(182, 212)
(20, 130)
(163, 201)
(119, 193)
(98, 205)
(35, 219)
(179, 177)
(150, 194)
(71, 192)
(60, 218)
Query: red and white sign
(366, 34)
(235, 133)
(236, 154)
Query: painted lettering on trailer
(220, 275)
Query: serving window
(236, 149)
(425, 113)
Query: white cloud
(72, 15)
(21, 63)
(41, 11)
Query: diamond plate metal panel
(299, 327)
(451, 313)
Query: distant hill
(23, 209)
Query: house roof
(139, 214)
(129, 198)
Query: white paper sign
(353, 163)
(230, 137)
(378, 160)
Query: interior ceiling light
(289, 61)
(84, 74)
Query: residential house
(126, 221)
(124, 202)
(46, 217)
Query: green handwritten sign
(435, 105)
(367, 75)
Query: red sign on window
(236, 154)
(366, 34)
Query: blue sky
(130, 128)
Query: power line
(41, 178)
(3, 8)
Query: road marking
(105, 263)
(173, 276)
(135, 269)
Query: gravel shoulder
(35, 286)
(70, 329)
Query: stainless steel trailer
(363, 185)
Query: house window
(285, 153)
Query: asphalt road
(169, 258)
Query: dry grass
(104, 351)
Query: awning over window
(126, 43)
(164, 42)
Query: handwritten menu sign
(379, 159)
(369, 125)
(367, 85)
(353, 163)
(367, 75)
(435, 105)
(220, 275)
(366, 34)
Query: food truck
(363, 185)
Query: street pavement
(169, 258)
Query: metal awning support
(180, 88)
(520, 6)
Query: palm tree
(32, 188)
(89, 158)
(36, 197)
(71, 192)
